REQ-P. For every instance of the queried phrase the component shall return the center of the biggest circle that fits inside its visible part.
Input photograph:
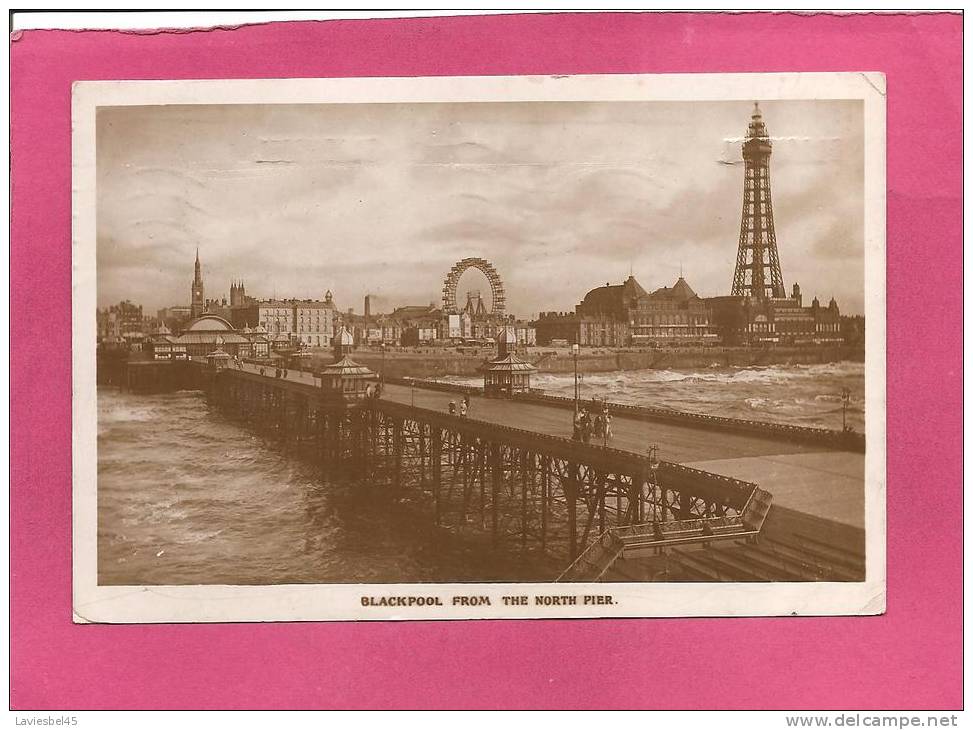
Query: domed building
(206, 333)
(619, 315)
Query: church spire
(197, 304)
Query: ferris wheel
(450, 305)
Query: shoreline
(431, 363)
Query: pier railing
(728, 491)
(843, 440)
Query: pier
(709, 504)
(816, 478)
(811, 470)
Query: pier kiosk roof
(346, 379)
(509, 364)
(347, 368)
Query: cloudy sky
(384, 198)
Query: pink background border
(908, 658)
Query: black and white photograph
(479, 348)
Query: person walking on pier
(452, 408)
(466, 403)
(462, 408)
(582, 426)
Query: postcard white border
(329, 602)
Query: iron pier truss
(523, 489)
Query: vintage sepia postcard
(479, 347)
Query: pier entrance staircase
(636, 542)
(775, 545)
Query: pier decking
(822, 482)
(510, 468)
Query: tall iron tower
(757, 252)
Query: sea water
(187, 496)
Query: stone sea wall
(431, 363)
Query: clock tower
(197, 304)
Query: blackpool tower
(757, 272)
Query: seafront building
(624, 315)
(418, 325)
(428, 325)
(308, 322)
(119, 323)
(175, 316)
(749, 321)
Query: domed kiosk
(345, 379)
(218, 359)
(507, 373)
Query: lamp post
(574, 352)
(845, 400)
(654, 458)
(604, 420)
(654, 471)
(383, 361)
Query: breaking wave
(809, 395)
